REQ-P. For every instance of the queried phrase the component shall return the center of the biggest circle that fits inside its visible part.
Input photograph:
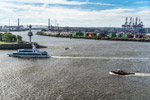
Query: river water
(79, 73)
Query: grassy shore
(1, 42)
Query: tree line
(9, 37)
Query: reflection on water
(80, 73)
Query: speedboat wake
(135, 74)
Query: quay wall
(15, 46)
(19, 46)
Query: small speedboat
(121, 72)
(66, 48)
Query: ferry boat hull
(29, 56)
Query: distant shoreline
(96, 38)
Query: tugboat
(30, 53)
(121, 72)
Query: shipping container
(101, 35)
(78, 34)
(112, 35)
(91, 34)
(124, 35)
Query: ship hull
(29, 56)
(118, 73)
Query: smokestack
(18, 23)
(130, 20)
(49, 24)
(126, 21)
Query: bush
(125, 39)
(105, 38)
(142, 39)
(19, 38)
(147, 40)
(39, 33)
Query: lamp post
(30, 33)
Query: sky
(77, 13)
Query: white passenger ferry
(32, 53)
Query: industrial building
(18, 27)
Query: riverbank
(96, 38)
(1, 42)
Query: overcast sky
(80, 13)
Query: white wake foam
(122, 58)
(112, 73)
(142, 74)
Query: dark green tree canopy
(9, 37)
(19, 38)
(1, 34)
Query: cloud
(64, 2)
(143, 2)
(38, 15)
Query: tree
(1, 34)
(19, 38)
(9, 37)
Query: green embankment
(8, 42)
(97, 38)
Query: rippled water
(79, 73)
